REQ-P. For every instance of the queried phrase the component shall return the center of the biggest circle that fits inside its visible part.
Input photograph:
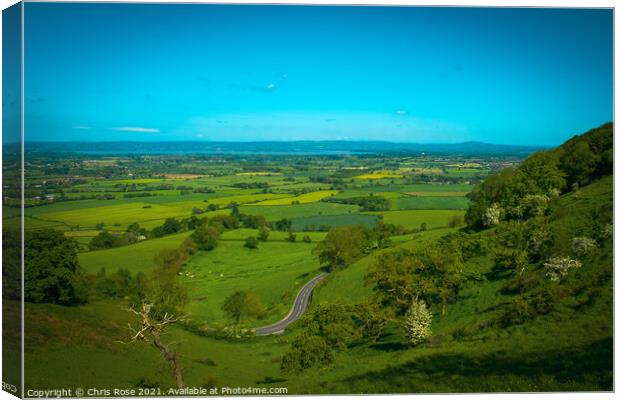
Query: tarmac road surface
(300, 306)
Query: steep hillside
(521, 299)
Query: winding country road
(301, 304)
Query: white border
(476, 3)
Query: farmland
(140, 220)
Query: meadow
(274, 271)
(136, 258)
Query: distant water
(273, 148)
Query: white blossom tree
(534, 205)
(582, 245)
(557, 268)
(418, 322)
(491, 215)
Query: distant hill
(292, 147)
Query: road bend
(299, 307)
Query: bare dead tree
(150, 330)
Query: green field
(421, 187)
(412, 219)
(274, 213)
(347, 194)
(332, 221)
(136, 210)
(273, 271)
(311, 197)
(136, 258)
(432, 203)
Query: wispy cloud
(135, 129)
(81, 127)
(401, 112)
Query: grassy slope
(347, 286)
(274, 271)
(136, 258)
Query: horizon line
(281, 141)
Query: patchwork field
(436, 194)
(324, 222)
(378, 175)
(432, 203)
(301, 199)
(305, 198)
(413, 219)
(274, 213)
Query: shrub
(283, 224)
(521, 283)
(514, 260)
(251, 242)
(205, 237)
(557, 268)
(171, 226)
(104, 240)
(418, 322)
(157, 232)
(534, 205)
(263, 233)
(333, 322)
(491, 215)
(306, 351)
(516, 312)
(189, 246)
(242, 303)
(370, 319)
(343, 245)
(553, 193)
(455, 221)
(582, 245)
(104, 285)
(307, 239)
(608, 231)
(539, 236)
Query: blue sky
(205, 72)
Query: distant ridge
(274, 147)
